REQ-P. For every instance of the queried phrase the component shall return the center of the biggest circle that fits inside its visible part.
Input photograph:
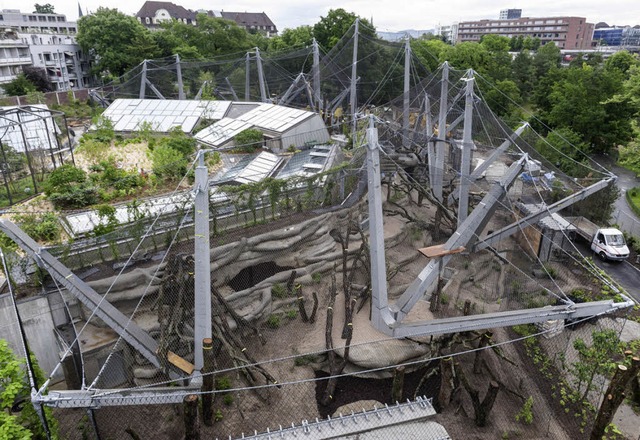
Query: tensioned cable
(103, 298)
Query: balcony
(15, 61)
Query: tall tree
(522, 71)
(47, 8)
(584, 101)
(292, 38)
(330, 29)
(118, 41)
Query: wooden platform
(439, 251)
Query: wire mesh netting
(293, 349)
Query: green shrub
(180, 142)
(279, 291)
(526, 414)
(227, 399)
(249, 140)
(68, 187)
(168, 163)
(40, 228)
(223, 383)
(273, 321)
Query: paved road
(623, 216)
(626, 274)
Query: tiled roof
(248, 19)
(149, 9)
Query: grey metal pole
(442, 133)
(247, 77)
(405, 107)
(263, 89)
(202, 317)
(354, 71)
(467, 147)
(428, 131)
(143, 81)
(179, 75)
(379, 299)
(316, 75)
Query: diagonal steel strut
(120, 323)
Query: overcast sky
(387, 15)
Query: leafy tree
(330, 29)
(39, 78)
(467, 55)
(595, 359)
(545, 59)
(292, 38)
(118, 41)
(429, 51)
(516, 44)
(218, 36)
(14, 388)
(504, 99)
(587, 100)
(598, 207)
(498, 65)
(522, 72)
(622, 61)
(564, 148)
(20, 86)
(249, 140)
(47, 8)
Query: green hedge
(633, 198)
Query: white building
(48, 40)
(14, 53)
(450, 32)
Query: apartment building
(46, 41)
(508, 14)
(14, 53)
(565, 32)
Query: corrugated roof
(163, 114)
(553, 221)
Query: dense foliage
(248, 140)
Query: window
(42, 18)
(51, 18)
(1, 17)
(33, 18)
(147, 20)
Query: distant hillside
(395, 36)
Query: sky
(387, 15)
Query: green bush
(168, 163)
(180, 142)
(273, 321)
(248, 140)
(68, 187)
(279, 291)
(40, 228)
